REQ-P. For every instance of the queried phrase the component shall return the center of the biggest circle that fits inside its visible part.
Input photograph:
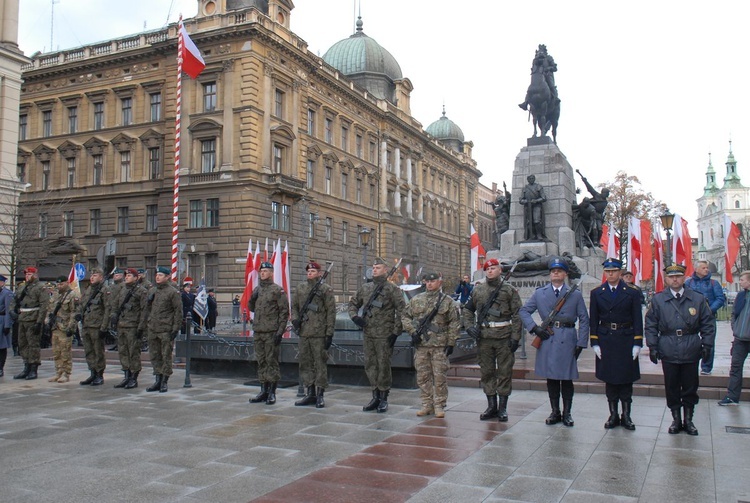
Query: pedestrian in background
(6, 323)
(741, 342)
(702, 282)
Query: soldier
(439, 316)
(62, 325)
(188, 299)
(629, 280)
(94, 318)
(617, 338)
(30, 308)
(556, 358)
(680, 330)
(128, 320)
(315, 329)
(164, 317)
(6, 323)
(112, 293)
(381, 321)
(271, 308)
(497, 338)
(143, 282)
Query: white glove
(636, 352)
(597, 351)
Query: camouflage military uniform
(129, 309)
(65, 302)
(164, 320)
(31, 315)
(430, 358)
(95, 319)
(319, 324)
(271, 308)
(383, 320)
(494, 353)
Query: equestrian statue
(542, 101)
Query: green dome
(445, 129)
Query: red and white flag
(192, 61)
(476, 251)
(73, 281)
(610, 244)
(640, 260)
(682, 245)
(251, 280)
(278, 271)
(658, 258)
(406, 272)
(287, 278)
(731, 247)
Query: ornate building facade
(276, 142)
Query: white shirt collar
(681, 292)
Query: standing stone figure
(599, 202)
(501, 206)
(533, 199)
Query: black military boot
(271, 387)
(309, 398)
(614, 417)
(32, 371)
(383, 405)
(320, 402)
(124, 381)
(133, 382)
(23, 373)
(99, 379)
(157, 384)
(626, 422)
(164, 387)
(89, 379)
(260, 397)
(491, 410)
(676, 425)
(502, 408)
(555, 416)
(567, 419)
(374, 402)
(688, 425)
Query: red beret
(132, 271)
(30, 269)
(491, 262)
(312, 265)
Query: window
(212, 269)
(311, 122)
(150, 266)
(47, 123)
(125, 166)
(21, 172)
(72, 119)
(98, 169)
(127, 111)
(311, 225)
(275, 214)
(373, 200)
(154, 163)
(329, 179)
(209, 96)
(344, 138)
(279, 103)
(358, 145)
(359, 235)
(344, 185)
(344, 233)
(736, 204)
(68, 224)
(99, 115)
(286, 217)
(329, 229)
(208, 156)
(43, 221)
(389, 161)
(71, 172)
(358, 191)
(155, 100)
(373, 148)
(278, 158)
(45, 175)
(196, 214)
(23, 124)
(212, 212)
(394, 239)
(310, 173)
(329, 130)
(152, 217)
(95, 222)
(123, 219)
(280, 216)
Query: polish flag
(682, 246)
(192, 61)
(286, 279)
(610, 244)
(278, 271)
(251, 280)
(476, 251)
(73, 281)
(406, 272)
(658, 258)
(639, 249)
(731, 246)
(265, 251)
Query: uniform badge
(692, 311)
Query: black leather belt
(680, 333)
(563, 324)
(616, 326)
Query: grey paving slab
(443, 492)
(534, 489)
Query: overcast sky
(647, 87)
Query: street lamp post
(364, 236)
(667, 219)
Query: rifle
(297, 324)
(17, 307)
(115, 319)
(375, 293)
(491, 300)
(551, 316)
(426, 322)
(52, 320)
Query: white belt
(29, 309)
(498, 324)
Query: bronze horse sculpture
(541, 100)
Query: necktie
(679, 295)
(557, 292)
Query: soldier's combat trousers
(432, 366)
(313, 357)
(62, 352)
(28, 342)
(267, 354)
(378, 362)
(496, 366)
(160, 352)
(129, 347)
(93, 345)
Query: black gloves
(579, 350)
(653, 355)
(103, 334)
(174, 334)
(359, 321)
(328, 342)
(448, 350)
(296, 324)
(474, 333)
(392, 340)
(38, 328)
(254, 296)
(6, 330)
(705, 353)
(70, 332)
(513, 345)
(277, 339)
(540, 332)
(78, 317)
(415, 339)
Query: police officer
(6, 323)
(497, 338)
(128, 320)
(271, 313)
(164, 317)
(439, 315)
(680, 330)
(188, 299)
(617, 338)
(315, 329)
(94, 318)
(556, 358)
(30, 306)
(381, 320)
(62, 324)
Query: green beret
(379, 261)
(164, 270)
(431, 276)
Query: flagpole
(178, 112)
